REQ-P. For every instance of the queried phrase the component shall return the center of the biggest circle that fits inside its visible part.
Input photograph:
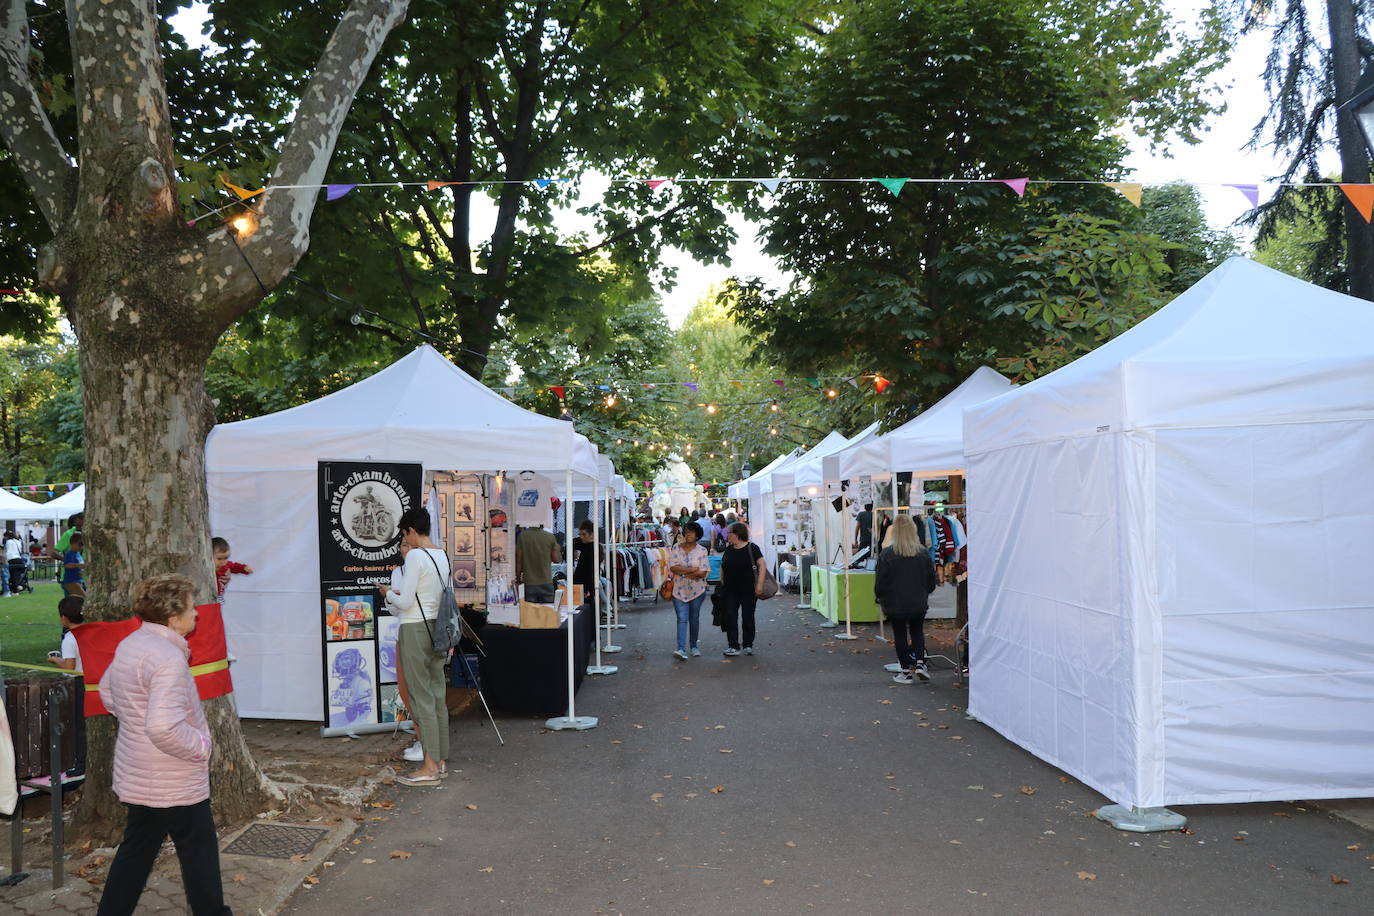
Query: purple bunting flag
(335, 191)
(1251, 192)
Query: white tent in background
(1172, 597)
(261, 475)
(740, 489)
(810, 472)
(930, 444)
(65, 506)
(19, 509)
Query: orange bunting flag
(558, 390)
(243, 193)
(880, 384)
(433, 185)
(1127, 189)
(1362, 196)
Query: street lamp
(1361, 105)
(746, 471)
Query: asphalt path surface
(803, 779)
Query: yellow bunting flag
(1129, 190)
(737, 383)
(243, 193)
(1362, 196)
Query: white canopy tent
(930, 444)
(63, 507)
(1173, 598)
(261, 475)
(740, 488)
(19, 509)
(810, 471)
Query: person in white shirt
(414, 753)
(426, 570)
(14, 564)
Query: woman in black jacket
(905, 578)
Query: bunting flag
(1128, 189)
(738, 384)
(1016, 184)
(436, 185)
(653, 183)
(881, 384)
(853, 381)
(603, 387)
(770, 183)
(558, 390)
(335, 191)
(209, 661)
(542, 183)
(894, 185)
(243, 193)
(1362, 196)
(647, 386)
(813, 382)
(690, 386)
(780, 383)
(1249, 191)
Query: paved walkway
(802, 779)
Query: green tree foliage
(987, 90)
(1299, 242)
(1173, 213)
(40, 412)
(482, 92)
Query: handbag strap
(442, 584)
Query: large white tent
(740, 489)
(261, 475)
(1173, 598)
(810, 471)
(19, 509)
(930, 444)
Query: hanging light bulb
(772, 430)
(610, 400)
(831, 393)
(244, 224)
(774, 406)
(620, 442)
(710, 408)
(712, 455)
(636, 443)
(725, 442)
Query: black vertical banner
(360, 504)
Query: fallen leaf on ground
(726, 750)
(956, 842)
(716, 790)
(690, 795)
(1354, 847)
(768, 880)
(997, 795)
(471, 807)
(617, 741)
(790, 843)
(1337, 879)
(369, 861)
(311, 879)
(399, 854)
(383, 804)
(885, 702)
(1282, 814)
(923, 725)
(1063, 779)
(656, 796)
(956, 737)
(487, 869)
(1186, 832)
(239, 878)
(1029, 790)
(1238, 837)
(300, 858)
(1086, 876)
(942, 726)
(976, 788)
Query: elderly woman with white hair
(904, 579)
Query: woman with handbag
(743, 573)
(902, 583)
(688, 563)
(422, 586)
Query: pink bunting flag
(653, 183)
(335, 191)
(1016, 184)
(1251, 192)
(780, 383)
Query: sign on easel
(360, 505)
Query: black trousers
(739, 609)
(192, 829)
(909, 636)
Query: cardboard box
(538, 616)
(560, 599)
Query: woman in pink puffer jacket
(162, 754)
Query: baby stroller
(19, 576)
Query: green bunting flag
(894, 185)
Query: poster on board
(360, 503)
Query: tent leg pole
(571, 721)
(1141, 820)
(597, 545)
(848, 558)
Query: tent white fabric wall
(19, 509)
(261, 475)
(1171, 595)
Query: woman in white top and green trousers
(426, 569)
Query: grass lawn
(28, 625)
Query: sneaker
(731, 652)
(903, 677)
(920, 671)
(415, 753)
(748, 650)
(678, 653)
(695, 651)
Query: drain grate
(275, 841)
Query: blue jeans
(688, 616)
(4, 578)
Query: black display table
(526, 671)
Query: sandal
(418, 780)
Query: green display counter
(827, 598)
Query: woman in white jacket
(426, 571)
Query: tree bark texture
(1345, 72)
(149, 295)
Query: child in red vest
(224, 567)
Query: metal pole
(848, 558)
(571, 720)
(597, 543)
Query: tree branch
(637, 227)
(24, 125)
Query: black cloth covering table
(526, 671)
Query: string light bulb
(831, 393)
(244, 223)
(711, 408)
(773, 406)
(610, 400)
(772, 430)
